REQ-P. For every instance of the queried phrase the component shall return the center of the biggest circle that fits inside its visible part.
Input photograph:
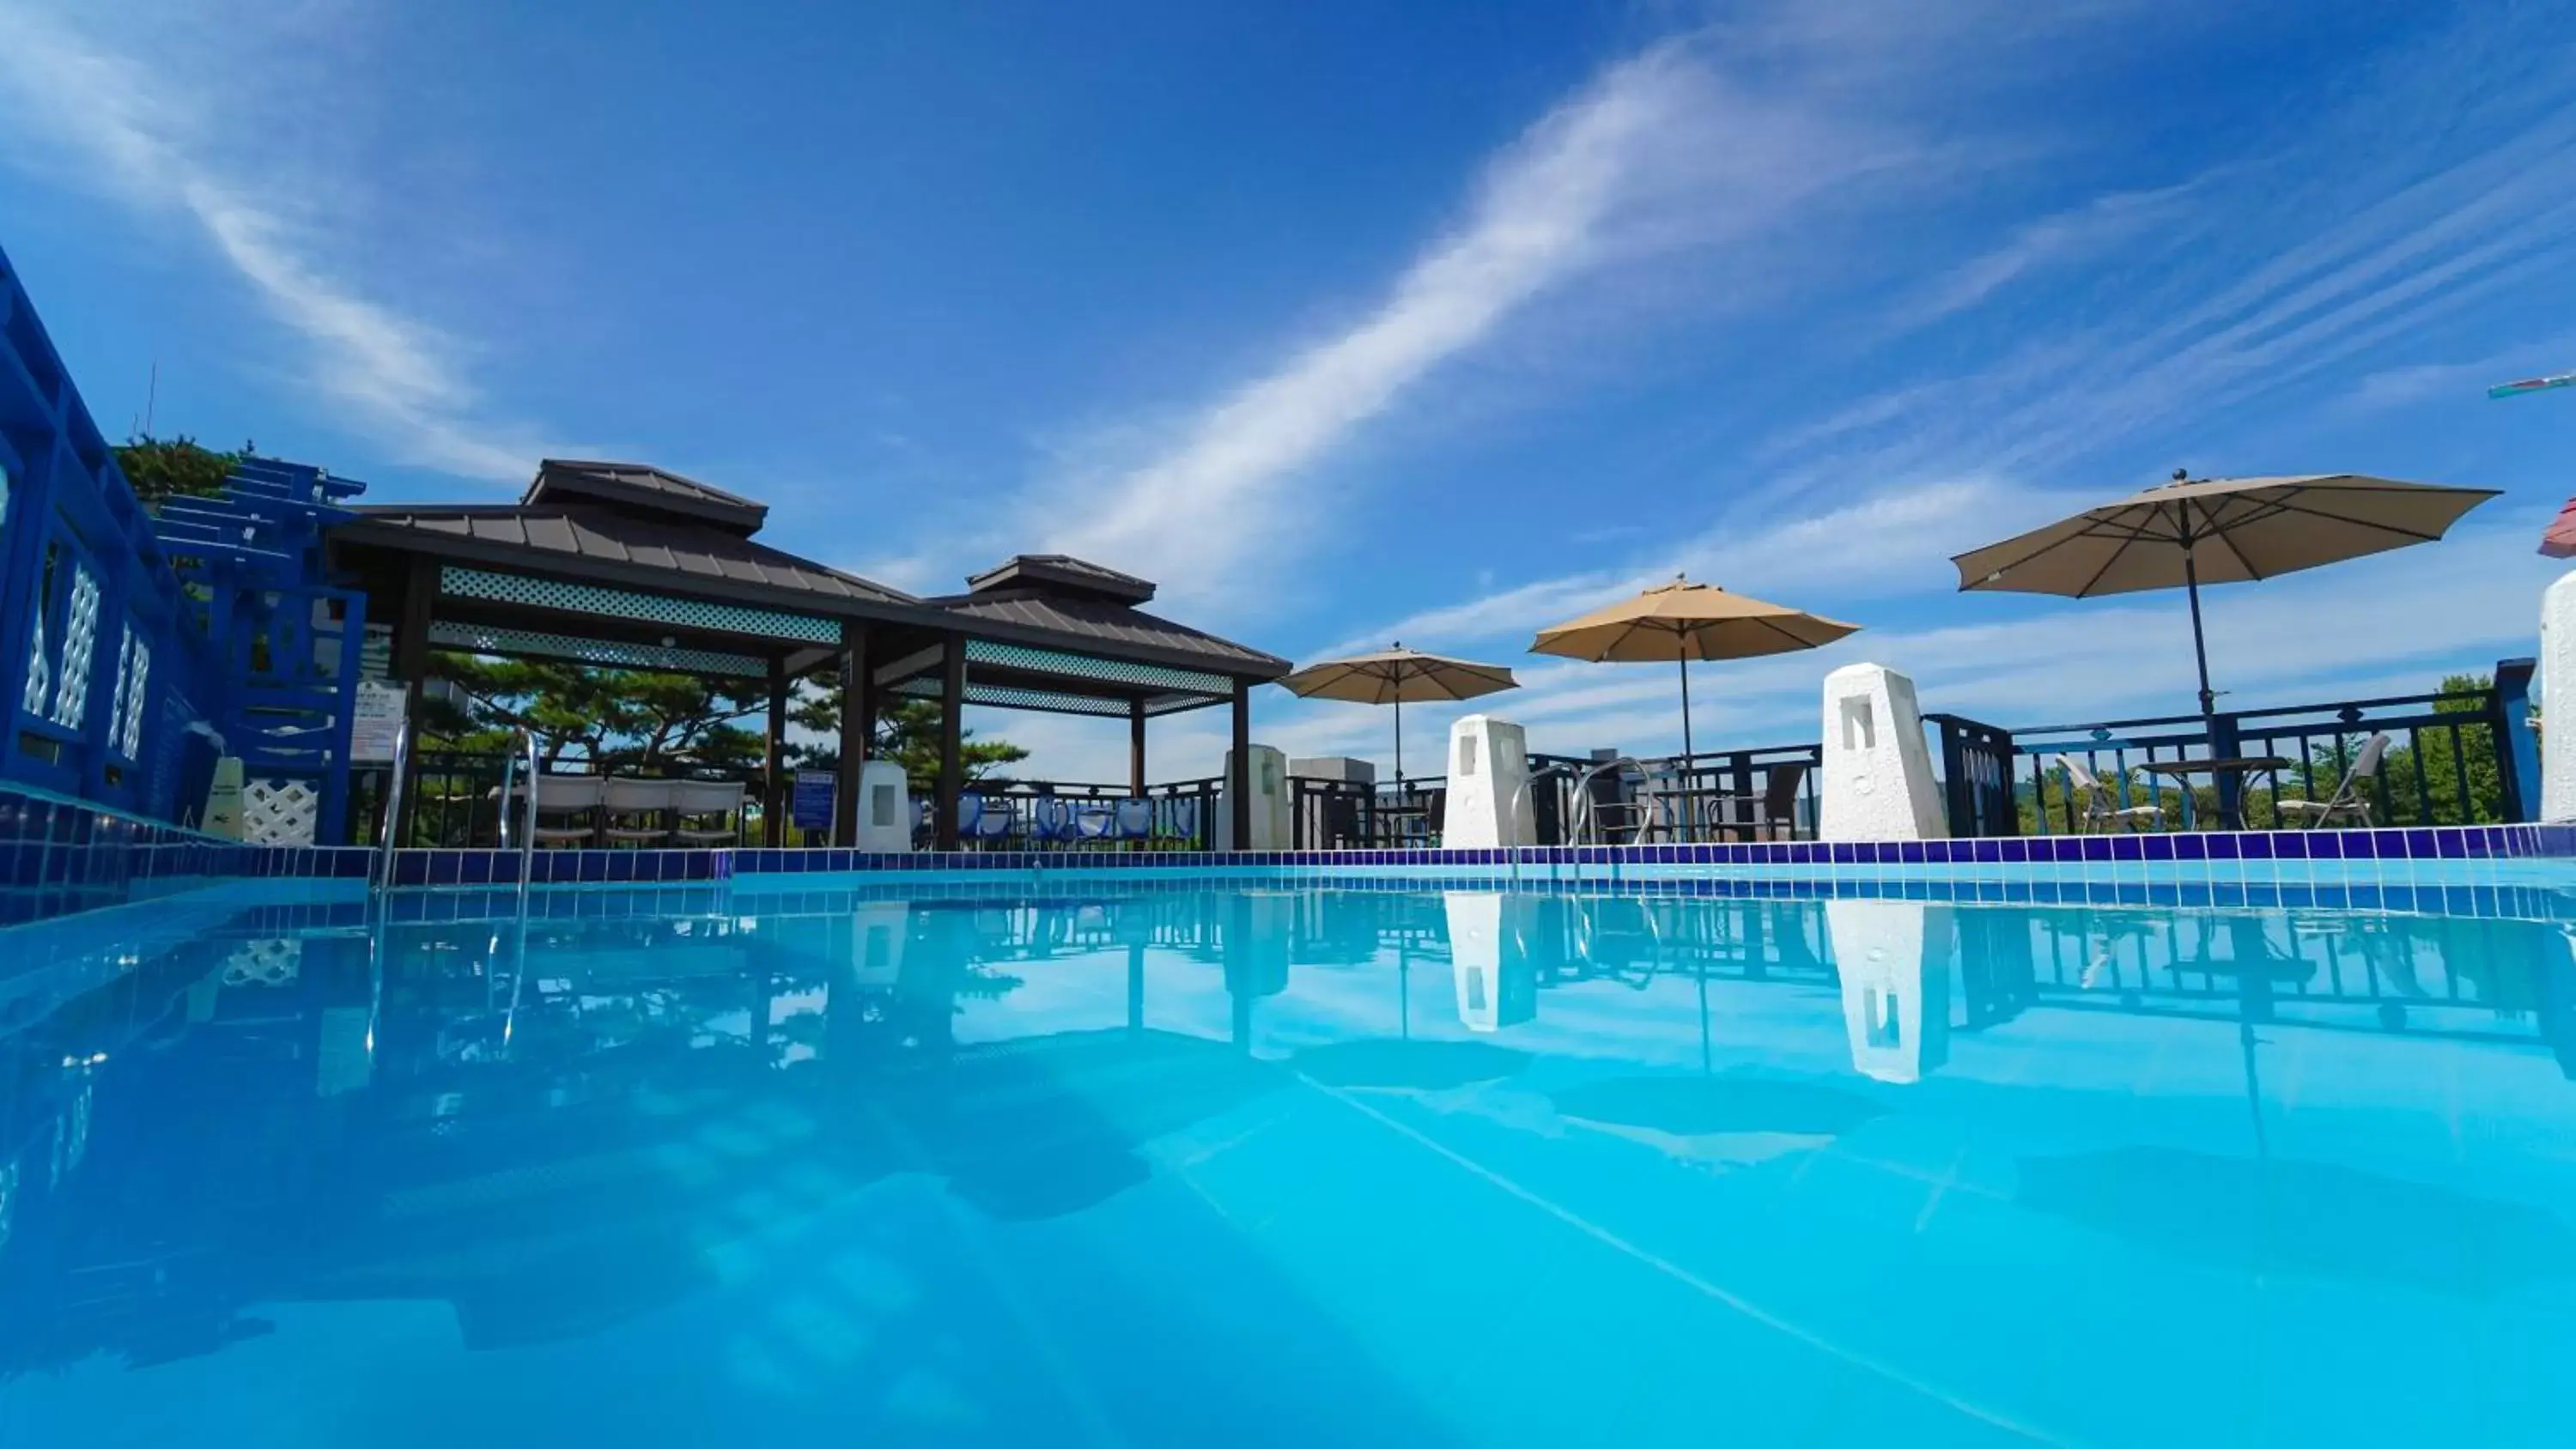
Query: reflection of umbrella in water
(2311, 1218)
(1706, 1106)
(1426, 1065)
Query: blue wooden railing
(134, 651)
(95, 673)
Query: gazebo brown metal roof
(625, 565)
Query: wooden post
(1136, 747)
(858, 726)
(773, 805)
(952, 726)
(411, 666)
(1238, 774)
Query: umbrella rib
(2108, 564)
(2093, 527)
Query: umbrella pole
(2199, 647)
(1686, 730)
(1399, 740)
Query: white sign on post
(376, 722)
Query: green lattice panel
(608, 653)
(1085, 666)
(464, 583)
(1000, 697)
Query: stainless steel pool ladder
(1587, 820)
(1523, 799)
(380, 874)
(524, 748)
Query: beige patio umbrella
(2193, 531)
(1393, 676)
(1683, 621)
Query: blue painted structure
(128, 648)
(94, 670)
(275, 644)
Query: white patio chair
(566, 797)
(2348, 802)
(2102, 809)
(701, 801)
(630, 800)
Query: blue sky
(1352, 322)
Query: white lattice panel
(80, 640)
(272, 962)
(279, 812)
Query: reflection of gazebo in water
(564, 1189)
(625, 566)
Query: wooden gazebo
(625, 565)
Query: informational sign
(376, 722)
(811, 806)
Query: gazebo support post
(411, 666)
(773, 804)
(1136, 747)
(858, 724)
(952, 724)
(1238, 771)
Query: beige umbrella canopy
(1393, 676)
(2217, 530)
(1683, 621)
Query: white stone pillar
(1894, 961)
(1272, 828)
(1878, 776)
(885, 807)
(2558, 700)
(1488, 764)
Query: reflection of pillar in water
(1256, 937)
(1489, 958)
(877, 930)
(2554, 995)
(1894, 959)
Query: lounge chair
(1050, 821)
(566, 797)
(1774, 812)
(629, 802)
(716, 809)
(2348, 802)
(1133, 818)
(996, 819)
(1095, 820)
(2101, 809)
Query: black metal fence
(2461, 756)
(457, 803)
(1184, 815)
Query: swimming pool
(926, 1159)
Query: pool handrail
(380, 875)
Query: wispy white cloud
(2051, 242)
(1892, 542)
(105, 120)
(1659, 151)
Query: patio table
(2232, 814)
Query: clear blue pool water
(1225, 1165)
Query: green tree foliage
(624, 719)
(164, 468)
(906, 730)
(640, 720)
